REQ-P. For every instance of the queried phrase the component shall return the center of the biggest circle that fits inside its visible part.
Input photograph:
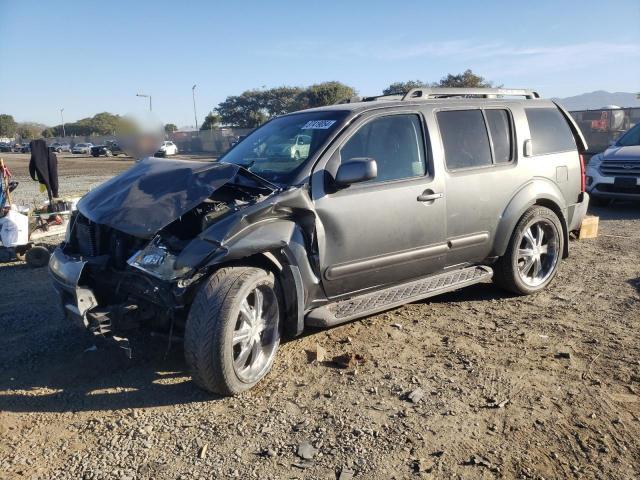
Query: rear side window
(465, 139)
(499, 124)
(549, 131)
(395, 142)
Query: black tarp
(153, 193)
(43, 166)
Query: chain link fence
(214, 142)
(601, 127)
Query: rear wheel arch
(555, 208)
(536, 192)
(535, 249)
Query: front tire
(233, 330)
(534, 253)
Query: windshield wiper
(246, 166)
(271, 186)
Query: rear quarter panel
(553, 178)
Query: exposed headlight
(156, 260)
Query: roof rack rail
(427, 93)
(356, 99)
(353, 99)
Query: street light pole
(145, 96)
(64, 134)
(195, 115)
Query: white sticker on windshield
(318, 124)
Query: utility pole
(195, 115)
(64, 134)
(145, 96)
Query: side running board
(370, 303)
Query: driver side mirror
(356, 170)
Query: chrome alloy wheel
(256, 335)
(538, 252)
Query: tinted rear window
(500, 129)
(465, 139)
(549, 131)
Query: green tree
(104, 123)
(212, 120)
(400, 88)
(254, 107)
(465, 79)
(246, 110)
(7, 125)
(29, 130)
(281, 100)
(170, 128)
(326, 93)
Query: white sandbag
(14, 228)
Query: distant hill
(599, 99)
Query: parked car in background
(60, 147)
(166, 149)
(82, 148)
(108, 149)
(300, 148)
(615, 173)
(25, 148)
(399, 198)
(237, 140)
(5, 147)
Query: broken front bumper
(79, 302)
(76, 301)
(106, 301)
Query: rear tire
(534, 253)
(233, 330)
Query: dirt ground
(472, 384)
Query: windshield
(277, 150)
(631, 138)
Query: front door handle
(429, 196)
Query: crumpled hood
(153, 193)
(622, 153)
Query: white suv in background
(615, 173)
(167, 148)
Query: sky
(91, 56)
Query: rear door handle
(429, 196)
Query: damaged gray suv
(392, 199)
